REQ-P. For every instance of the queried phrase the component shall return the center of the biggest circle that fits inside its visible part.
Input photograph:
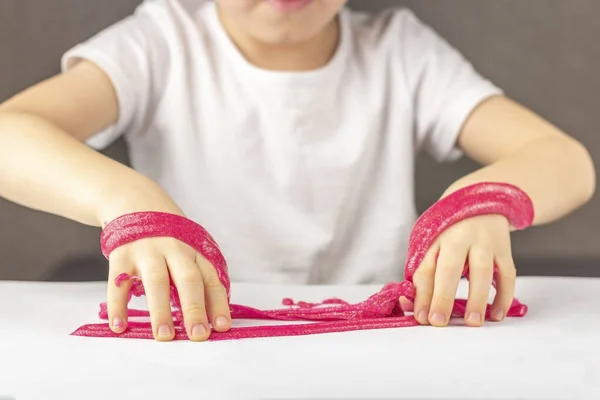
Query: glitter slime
(382, 310)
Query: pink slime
(381, 310)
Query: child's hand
(199, 288)
(480, 241)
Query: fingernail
(474, 318)
(438, 319)
(117, 322)
(422, 316)
(164, 330)
(221, 322)
(498, 315)
(198, 331)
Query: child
(288, 129)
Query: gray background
(544, 53)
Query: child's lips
(289, 5)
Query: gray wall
(544, 53)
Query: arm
(45, 166)
(514, 145)
(518, 147)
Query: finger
(448, 271)
(117, 297)
(190, 287)
(424, 280)
(406, 304)
(481, 270)
(505, 287)
(155, 277)
(215, 296)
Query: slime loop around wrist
(381, 310)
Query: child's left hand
(482, 242)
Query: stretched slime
(381, 310)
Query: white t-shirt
(301, 177)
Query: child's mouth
(289, 5)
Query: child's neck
(309, 55)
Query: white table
(552, 353)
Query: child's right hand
(157, 260)
(160, 262)
(45, 166)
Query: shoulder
(408, 45)
(389, 27)
(157, 20)
(150, 38)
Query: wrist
(520, 197)
(457, 185)
(142, 195)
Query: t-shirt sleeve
(125, 52)
(444, 88)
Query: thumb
(406, 304)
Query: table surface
(552, 353)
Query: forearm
(43, 168)
(557, 174)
